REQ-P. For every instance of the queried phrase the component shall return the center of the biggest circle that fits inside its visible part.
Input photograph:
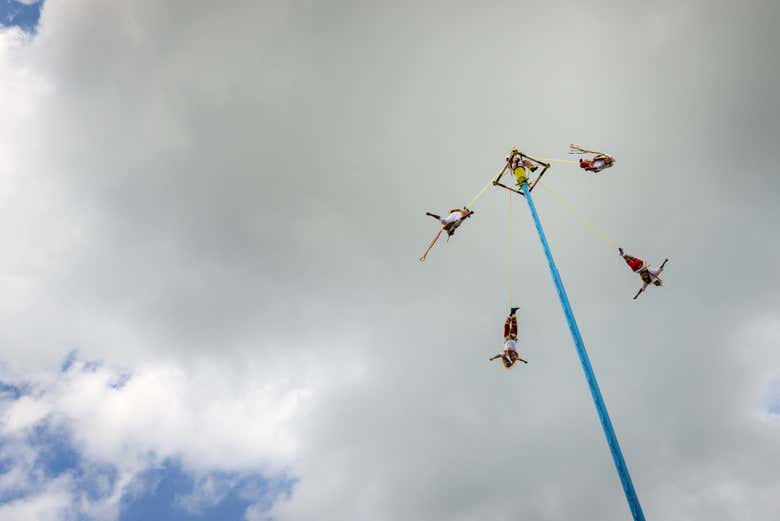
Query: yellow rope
(479, 194)
(569, 161)
(510, 248)
(577, 214)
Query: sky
(211, 305)
(21, 14)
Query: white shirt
(453, 217)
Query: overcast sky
(210, 300)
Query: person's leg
(438, 218)
(513, 327)
(451, 227)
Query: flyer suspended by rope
(456, 216)
(450, 224)
(597, 161)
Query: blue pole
(598, 400)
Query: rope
(510, 248)
(427, 251)
(569, 161)
(488, 185)
(579, 216)
(479, 194)
(576, 149)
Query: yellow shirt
(520, 175)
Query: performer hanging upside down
(450, 223)
(648, 274)
(597, 163)
(509, 356)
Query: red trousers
(634, 263)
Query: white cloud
(198, 416)
(23, 413)
(52, 502)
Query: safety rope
(510, 248)
(568, 161)
(482, 191)
(578, 215)
(479, 194)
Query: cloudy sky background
(211, 305)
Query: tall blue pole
(598, 400)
